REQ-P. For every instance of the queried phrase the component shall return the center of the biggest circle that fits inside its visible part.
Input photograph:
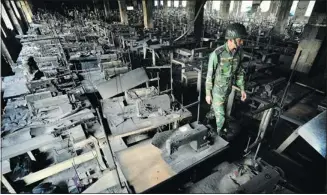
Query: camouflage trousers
(218, 109)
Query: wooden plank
(108, 180)
(47, 172)
(32, 144)
(143, 166)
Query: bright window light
(176, 3)
(161, 2)
(293, 8)
(169, 3)
(130, 8)
(231, 6)
(246, 6)
(309, 9)
(156, 3)
(264, 6)
(216, 5)
(6, 18)
(184, 3)
(15, 9)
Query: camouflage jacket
(224, 70)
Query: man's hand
(243, 98)
(208, 99)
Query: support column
(273, 8)
(165, 7)
(237, 7)
(6, 53)
(13, 17)
(224, 9)
(255, 6)
(135, 4)
(282, 17)
(165, 4)
(313, 36)
(190, 14)
(147, 13)
(198, 24)
(301, 9)
(180, 3)
(209, 6)
(123, 11)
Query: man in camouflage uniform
(224, 70)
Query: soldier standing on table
(224, 70)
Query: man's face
(235, 44)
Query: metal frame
(198, 86)
(158, 78)
(288, 141)
(312, 132)
(262, 131)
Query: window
(184, 3)
(231, 6)
(246, 6)
(264, 6)
(309, 9)
(169, 3)
(176, 3)
(215, 5)
(155, 3)
(161, 2)
(6, 18)
(293, 8)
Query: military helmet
(235, 30)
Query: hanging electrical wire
(192, 22)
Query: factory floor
(306, 182)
